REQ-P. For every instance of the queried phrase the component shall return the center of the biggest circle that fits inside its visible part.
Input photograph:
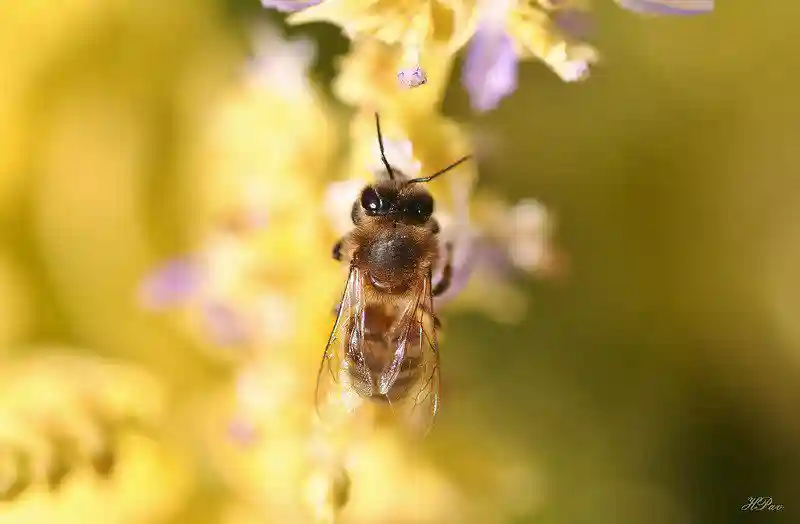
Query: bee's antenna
(380, 145)
(441, 172)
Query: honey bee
(383, 345)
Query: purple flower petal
(484, 255)
(493, 258)
(668, 7)
(171, 285)
(226, 326)
(458, 281)
(490, 68)
(289, 6)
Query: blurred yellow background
(657, 383)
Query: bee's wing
(668, 7)
(417, 407)
(333, 394)
(335, 397)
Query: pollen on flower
(411, 74)
(412, 77)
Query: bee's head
(401, 201)
(398, 198)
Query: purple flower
(171, 285)
(482, 255)
(668, 7)
(289, 6)
(490, 68)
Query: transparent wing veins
(351, 313)
(419, 406)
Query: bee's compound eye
(372, 202)
(420, 208)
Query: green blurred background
(656, 384)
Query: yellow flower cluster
(261, 287)
(416, 40)
(71, 424)
(278, 193)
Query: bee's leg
(337, 247)
(447, 273)
(433, 225)
(436, 322)
(337, 250)
(336, 308)
(342, 249)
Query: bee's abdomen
(401, 387)
(370, 354)
(365, 376)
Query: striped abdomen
(370, 356)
